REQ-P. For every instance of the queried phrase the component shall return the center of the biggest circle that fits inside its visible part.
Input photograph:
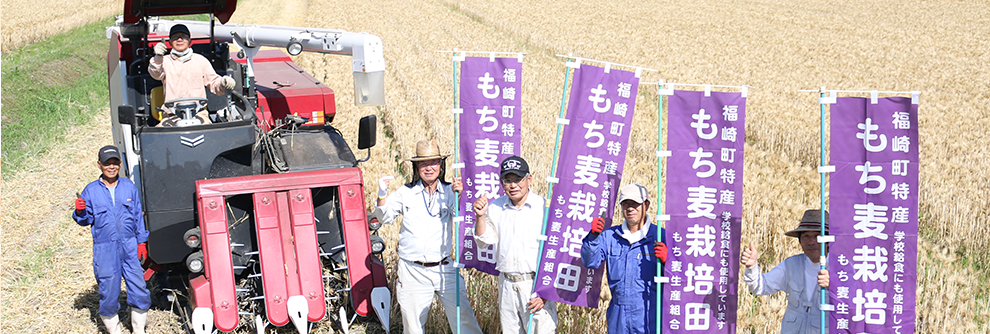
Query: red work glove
(660, 251)
(80, 204)
(598, 225)
(142, 251)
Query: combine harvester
(259, 217)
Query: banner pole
(661, 225)
(553, 172)
(821, 211)
(457, 199)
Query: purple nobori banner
(589, 166)
(704, 199)
(874, 215)
(491, 97)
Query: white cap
(635, 192)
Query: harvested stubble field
(777, 47)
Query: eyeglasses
(110, 163)
(428, 163)
(180, 36)
(507, 181)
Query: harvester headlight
(373, 223)
(192, 238)
(377, 244)
(195, 262)
(294, 48)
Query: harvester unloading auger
(259, 216)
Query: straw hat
(810, 222)
(427, 150)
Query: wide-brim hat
(811, 221)
(427, 150)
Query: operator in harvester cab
(184, 74)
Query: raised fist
(598, 225)
(383, 185)
(749, 255)
(160, 49)
(481, 205)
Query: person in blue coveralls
(630, 254)
(112, 207)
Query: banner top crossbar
(608, 63)
(697, 85)
(483, 52)
(858, 91)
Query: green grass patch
(36, 265)
(53, 85)
(50, 86)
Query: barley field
(26, 22)
(940, 48)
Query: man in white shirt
(799, 276)
(426, 205)
(513, 223)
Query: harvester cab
(257, 215)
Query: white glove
(383, 185)
(227, 82)
(160, 49)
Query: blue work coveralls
(118, 227)
(630, 269)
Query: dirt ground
(776, 47)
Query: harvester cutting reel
(252, 308)
(335, 285)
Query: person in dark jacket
(630, 253)
(112, 207)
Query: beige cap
(635, 192)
